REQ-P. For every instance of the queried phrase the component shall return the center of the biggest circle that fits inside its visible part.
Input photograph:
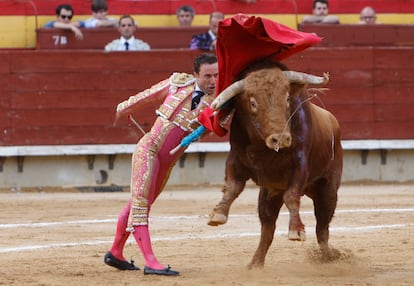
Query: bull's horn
(227, 94)
(300, 77)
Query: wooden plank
(4, 121)
(59, 117)
(393, 58)
(73, 116)
(156, 37)
(68, 99)
(169, 37)
(361, 35)
(400, 94)
(394, 77)
(98, 61)
(86, 82)
(344, 95)
(5, 95)
(357, 130)
(5, 83)
(56, 135)
(167, 7)
(344, 79)
(396, 112)
(323, 59)
(71, 103)
(353, 113)
(389, 129)
(71, 135)
(61, 39)
(4, 65)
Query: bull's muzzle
(277, 141)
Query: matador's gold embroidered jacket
(176, 94)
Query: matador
(184, 96)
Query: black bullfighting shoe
(166, 271)
(111, 260)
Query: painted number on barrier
(59, 40)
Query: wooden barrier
(156, 37)
(370, 88)
(362, 35)
(68, 97)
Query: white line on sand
(200, 237)
(192, 236)
(190, 217)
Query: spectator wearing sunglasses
(100, 17)
(64, 14)
(127, 41)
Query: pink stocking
(121, 235)
(142, 237)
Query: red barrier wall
(156, 37)
(154, 7)
(69, 97)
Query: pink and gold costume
(151, 161)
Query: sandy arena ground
(60, 238)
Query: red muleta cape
(243, 40)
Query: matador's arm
(133, 104)
(154, 94)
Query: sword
(137, 124)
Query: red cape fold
(243, 40)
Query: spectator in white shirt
(127, 41)
(100, 17)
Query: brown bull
(287, 145)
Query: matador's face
(207, 77)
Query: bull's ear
(295, 88)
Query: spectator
(64, 14)
(320, 14)
(99, 17)
(185, 15)
(127, 41)
(367, 16)
(185, 96)
(207, 41)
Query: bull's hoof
(216, 219)
(255, 265)
(297, 235)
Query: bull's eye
(253, 104)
